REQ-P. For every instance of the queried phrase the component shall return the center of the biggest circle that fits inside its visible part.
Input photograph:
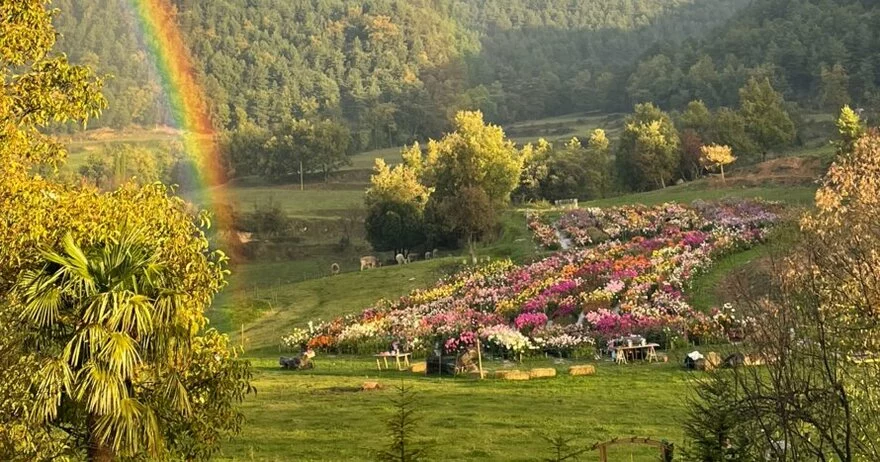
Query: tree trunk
(722, 174)
(97, 452)
(472, 248)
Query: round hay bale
(541, 373)
(583, 369)
(334, 269)
(512, 375)
(419, 368)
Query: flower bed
(584, 227)
(633, 282)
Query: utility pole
(301, 184)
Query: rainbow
(186, 97)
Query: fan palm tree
(106, 327)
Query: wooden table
(397, 357)
(621, 352)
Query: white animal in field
(435, 253)
(401, 260)
(334, 268)
(369, 262)
(428, 255)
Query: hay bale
(369, 386)
(583, 369)
(753, 361)
(541, 373)
(419, 368)
(713, 361)
(512, 375)
(475, 375)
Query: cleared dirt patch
(787, 171)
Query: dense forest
(819, 53)
(392, 70)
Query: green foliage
(267, 220)
(715, 427)
(729, 128)
(102, 295)
(298, 146)
(400, 428)
(766, 118)
(396, 204)
(569, 171)
(850, 128)
(122, 163)
(648, 154)
(467, 214)
(393, 70)
(472, 172)
(395, 226)
(834, 90)
(819, 53)
(477, 155)
(562, 449)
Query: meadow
(321, 415)
(460, 419)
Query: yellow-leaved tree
(716, 156)
(104, 347)
(818, 395)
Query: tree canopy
(103, 343)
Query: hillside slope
(820, 53)
(394, 70)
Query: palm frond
(119, 353)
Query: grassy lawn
(269, 311)
(313, 202)
(320, 415)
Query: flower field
(627, 274)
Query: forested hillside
(391, 70)
(820, 53)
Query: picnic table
(397, 357)
(622, 351)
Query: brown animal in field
(369, 262)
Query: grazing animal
(400, 259)
(369, 262)
(427, 255)
(334, 268)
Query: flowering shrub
(296, 338)
(631, 280)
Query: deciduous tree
(766, 119)
(716, 156)
(648, 154)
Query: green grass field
(321, 415)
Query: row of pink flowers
(571, 299)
